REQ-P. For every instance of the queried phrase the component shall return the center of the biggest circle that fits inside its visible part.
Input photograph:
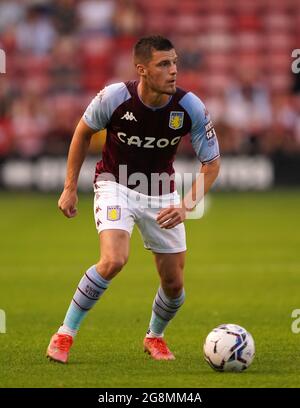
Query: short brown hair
(142, 51)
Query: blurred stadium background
(234, 54)
(243, 261)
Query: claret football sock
(163, 310)
(90, 289)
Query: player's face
(161, 71)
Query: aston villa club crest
(113, 213)
(176, 120)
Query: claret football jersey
(144, 139)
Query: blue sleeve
(100, 110)
(203, 135)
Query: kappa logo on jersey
(210, 131)
(176, 120)
(129, 116)
(113, 213)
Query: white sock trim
(151, 335)
(66, 330)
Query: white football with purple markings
(229, 347)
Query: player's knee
(173, 289)
(109, 267)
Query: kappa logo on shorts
(113, 213)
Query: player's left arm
(205, 143)
(202, 184)
(170, 217)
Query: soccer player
(145, 121)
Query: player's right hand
(67, 203)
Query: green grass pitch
(243, 267)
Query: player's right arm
(77, 153)
(95, 118)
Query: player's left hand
(170, 217)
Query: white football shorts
(118, 207)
